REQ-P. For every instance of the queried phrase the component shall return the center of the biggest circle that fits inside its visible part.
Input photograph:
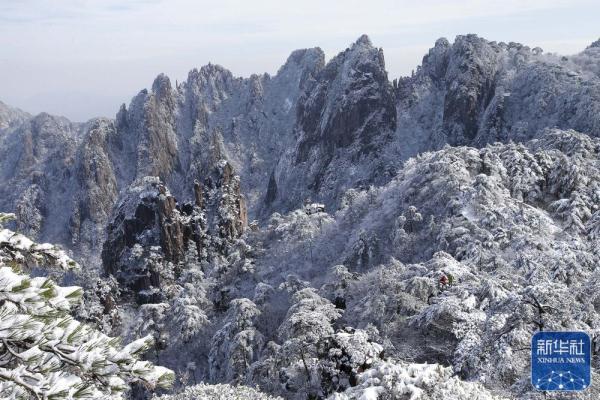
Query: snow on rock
(10, 117)
(313, 130)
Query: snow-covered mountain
(313, 130)
(11, 116)
(288, 232)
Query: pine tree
(236, 345)
(308, 320)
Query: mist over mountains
(288, 232)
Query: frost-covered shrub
(395, 381)
(344, 355)
(218, 392)
(235, 346)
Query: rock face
(10, 117)
(470, 84)
(337, 109)
(150, 225)
(36, 161)
(147, 217)
(475, 92)
(312, 131)
(147, 131)
(344, 118)
(596, 44)
(96, 183)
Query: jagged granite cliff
(148, 218)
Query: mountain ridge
(302, 133)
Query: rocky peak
(338, 109)
(227, 214)
(36, 168)
(212, 82)
(595, 44)
(346, 113)
(470, 86)
(474, 91)
(305, 58)
(10, 116)
(302, 65)
(44, 139)
(147, 131)
(442, 43)
(162, 86)
(363, 40)
(149, 224)
(97, 185)
(435, 63)
(212, 70)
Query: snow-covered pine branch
(45, 353)
(19, 249)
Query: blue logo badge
(561, 361)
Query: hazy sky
(84, 58)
